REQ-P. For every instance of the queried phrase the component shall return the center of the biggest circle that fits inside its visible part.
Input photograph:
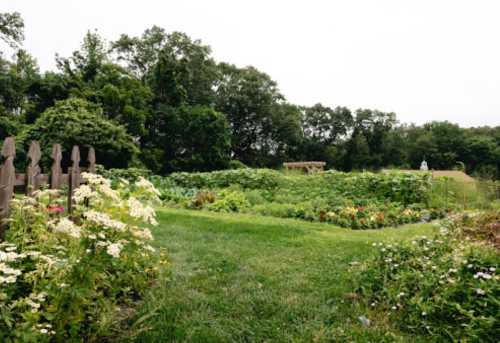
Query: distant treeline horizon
(160, 101)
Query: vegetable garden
(356, 200)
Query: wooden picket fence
(34, 179)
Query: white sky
(423, 59)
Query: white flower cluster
(139, 211)
(96, 186)
(104, 220)
(114, 249)
(40, 193)
(9, 274)
(147, 186)
(95, 179)
(482, 275)
(66, 226)
(143, 233)
(83, 193)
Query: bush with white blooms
(66, 277)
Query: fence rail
(33, 179)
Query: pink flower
(54, 208)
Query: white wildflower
(139, 211)
(82, 193)
(480, 291)
(147, 186)
(144, 234)
(114, 249)
(66, 226)
(104, 220)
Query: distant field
(244, 278)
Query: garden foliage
(446, 287)
(357, 200)
(68, 278)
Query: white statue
(424, 166)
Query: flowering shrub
(67, 277)
(446, 287)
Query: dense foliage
(356, 200)
(77, 122)
(445, 287)
(187, 112)
(67, 278)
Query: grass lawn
(243, 278)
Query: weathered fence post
(7, 180)
(33, 170)
(56, 171)
(91, 160)
(74, 176)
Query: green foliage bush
(229, 200)
(445, 287)
(246, 178)
(78, 122)
(129, 174)
(67, 279)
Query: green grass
(243, 278)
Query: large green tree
(324, 130)
(78, 122)
(189, 138)
(92, 75)
(248, 98)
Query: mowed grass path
(242, 278)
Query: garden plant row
(358, 200)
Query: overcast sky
(424, 60)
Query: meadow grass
(244, 278)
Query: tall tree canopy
(11, 28)
(162, 94)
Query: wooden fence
(34, 179)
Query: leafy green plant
(64, 278)
(229, 200)
(444, 287)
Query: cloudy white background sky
(425, 60)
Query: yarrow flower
(139, 211)
(66, 226)
(143, 234)
(83, 193)
(147, 186)
(114, 249)
(104, 220)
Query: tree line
(161, 101)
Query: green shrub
(77, 122)
(445, 287)
(129, 174)
(245, 178)
(229, 200)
